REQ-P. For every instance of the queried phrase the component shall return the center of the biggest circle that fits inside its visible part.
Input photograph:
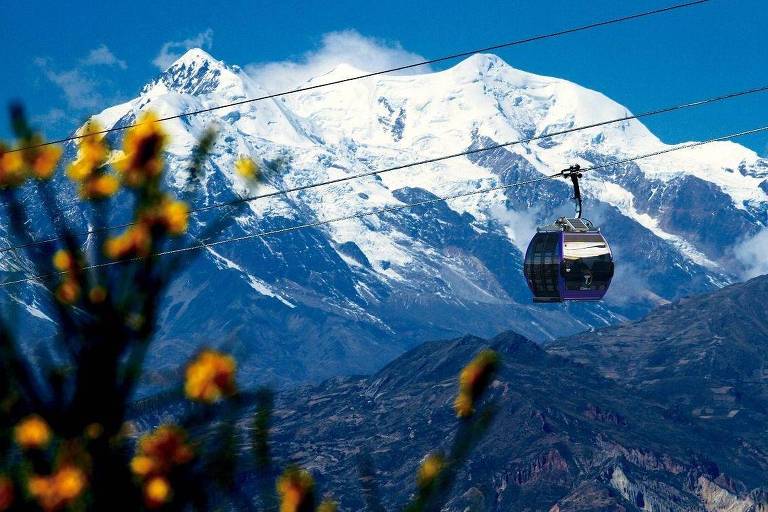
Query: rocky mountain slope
(564, 438)
(666, 414)
(705, 357)
(349, 297)
(676, 420)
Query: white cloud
(342, 47)
(51, 118)
(86, 86)
(521, 225)
(172, 50)
(752, 254)
(79, 90)
(629, 285)
(103, 56)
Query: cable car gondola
(569, 259)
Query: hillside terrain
(667, 413)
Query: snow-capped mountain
(349, 296)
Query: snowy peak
(196, 73)
(195, 57)
(391, 120)
(485, 64)
(341, 71)
(443, 268)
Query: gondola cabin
(568, 260)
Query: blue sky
(66, 60)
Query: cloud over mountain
(172, 50)
(340, 47)
(751, 254)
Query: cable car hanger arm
(574, 172)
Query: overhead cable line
(263, 234)
(454, 56)
(240, 200)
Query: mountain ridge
(567, 440)
(705, 355)
(568, 435)
(347, 297)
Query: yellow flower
(70, 481)
(59, 489)
(210, 377)
(142, 465)
(160, 451)
(247, 168)
(6, 493)
(170, 215)
(63, 260)
(431, 467)
(79, 170)
(100, 186)
(478, 369)
(68, 291)
(136, 241)
(473, 380)
(32, 432)
(97, 294)
(143, 147)
(296, 489)
(157, 491)
(92, 152)
(175, 216)
(43, 161)
(463, 405)
(11, 168)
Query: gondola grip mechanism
(574, 172)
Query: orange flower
(68, 291)
(175, 215)
(12, 171)
(32, 433)
(43, 161)
(63, 260)
(59, 489)
(92, 152)
(210, 377)
(142, 465)
(169, 214)
(97, 294)
(431, 467)
(157, 491)
(160, 451)
(99, 186)
(463, 405)
(296, 489)
(136, 241)
(6, 493)
(473, 380)
(143, 147)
